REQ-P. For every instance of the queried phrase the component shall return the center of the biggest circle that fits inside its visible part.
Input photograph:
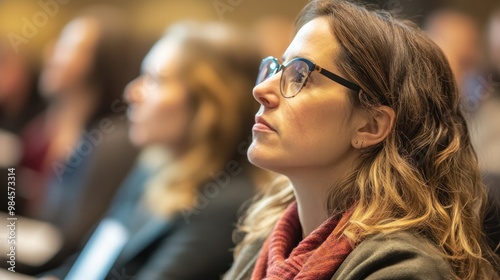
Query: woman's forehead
(314, 41)
(163, 56)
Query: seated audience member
(489, 126)
(494, 46)
(19, 104)
(458, 36)
(174, 219)
(363, 119)
(77, 152)
(485, 122)
(19, 98)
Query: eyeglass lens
(294, 77)
(268, 68)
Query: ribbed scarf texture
(285, 256)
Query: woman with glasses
(362, 118)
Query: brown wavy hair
(424, 177)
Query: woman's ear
(377, 124)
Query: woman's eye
(299, 78)
(152, 81)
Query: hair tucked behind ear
(425, 176)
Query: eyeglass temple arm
(338, 79)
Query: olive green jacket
(395, 256)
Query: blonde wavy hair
(425, 176)
(218, 67)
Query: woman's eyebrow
(286, 58)
(150, 70)
(145, 68)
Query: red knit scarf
(284, 256)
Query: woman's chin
(260, 159)
(136, 138)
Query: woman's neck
(75, 107)
(311, 188)
(66, 119)
(311, 197)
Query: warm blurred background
(149, 17)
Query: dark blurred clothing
(190, 245)
(492, 218)
(32, 109)
(13, 127)
(76, 191)
(36, 142)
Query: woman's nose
(134, 93)
(267, 93)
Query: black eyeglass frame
(311, 67)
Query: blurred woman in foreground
(192, 101)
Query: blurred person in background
(174, 218)
(485, 127)
(458, 36)
(19, 98)
(494, 45)
(19, 104)
(485, 120)
(77, 152)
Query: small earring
(362, 141)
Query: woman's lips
(262, 125)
